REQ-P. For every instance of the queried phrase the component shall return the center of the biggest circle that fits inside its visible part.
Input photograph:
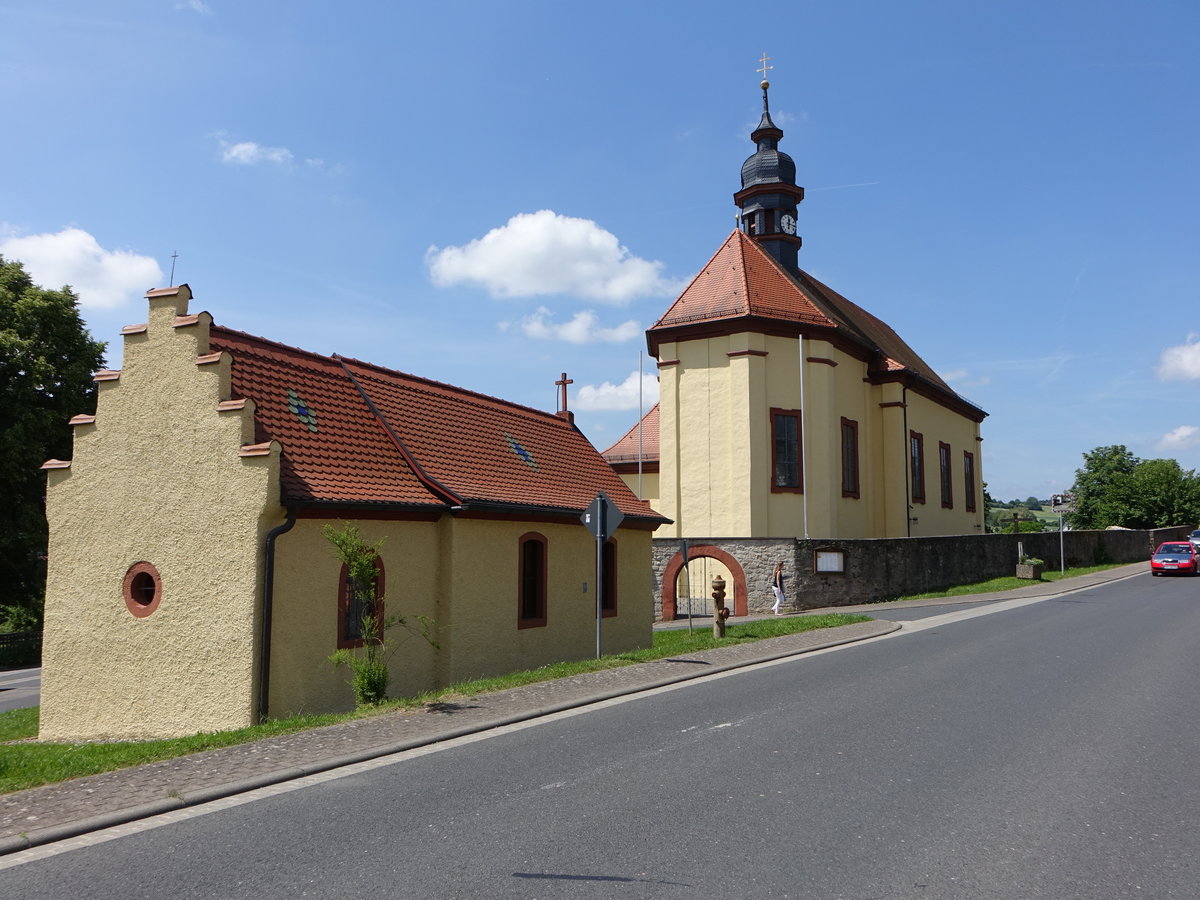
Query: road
(19, 688)
(1041, 751)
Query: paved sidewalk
(54, 812)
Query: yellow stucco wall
(305, 616)
(463, 574)
(481, 636)
(157, 478)
(651, 488)
(716, 444)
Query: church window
(531, 580)
(944, 469)
(969, 479)
(608, 567)
(785, 433)
(916, 453)
(357, 602)
(849, 458)
(142, 589)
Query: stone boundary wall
(880, 569)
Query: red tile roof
(630, 447)
(356, 433)
(743, 281)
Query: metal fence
(20, 648)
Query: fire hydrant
(720, 610)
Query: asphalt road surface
(1039, 751)
(19, 688)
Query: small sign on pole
(1062, 503)
(602, 518)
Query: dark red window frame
(348, 631)
(969, 479)
(850, 483)
(608, 565)
(916, 458)
(532, 569)
(793, 444)
(946, 475)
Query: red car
(1174, 557)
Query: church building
(785, 409)
(190, 585)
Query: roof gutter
(264, 655)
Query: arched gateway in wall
(700, 551)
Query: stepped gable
(625, 450)
(358, 434)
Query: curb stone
(87, 821)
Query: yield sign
(602, 517)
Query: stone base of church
(871, 571)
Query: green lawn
(1007, 583)
(24, 763)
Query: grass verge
(25, 763)
(1007, 583)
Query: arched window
(608, 566)
(531, 580)
(355, 603)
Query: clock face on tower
(787, 223)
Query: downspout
(264, 657)
(803, 440)
(907, 464)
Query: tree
(1160, 493)
(1099, 500)
(47, 359)
(1116, 488)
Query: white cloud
(1180, 363)
(1180, 438)
(964, 379)
(541, 253)
(248, 153)
(102, 278)
(618, 396)
(198, 6)
(582, 329)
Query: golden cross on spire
(764, 68)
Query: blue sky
(490, 193)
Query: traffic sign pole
(602, 518)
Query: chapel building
(191, 586)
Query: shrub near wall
(878, 570)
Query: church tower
(769, 194)
(787, 411)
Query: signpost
(1062, 503)
(601, 518)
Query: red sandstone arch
(699, 551)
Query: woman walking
(777, 587)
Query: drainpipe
(264, 665)
(907, 465)
(803, 441)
